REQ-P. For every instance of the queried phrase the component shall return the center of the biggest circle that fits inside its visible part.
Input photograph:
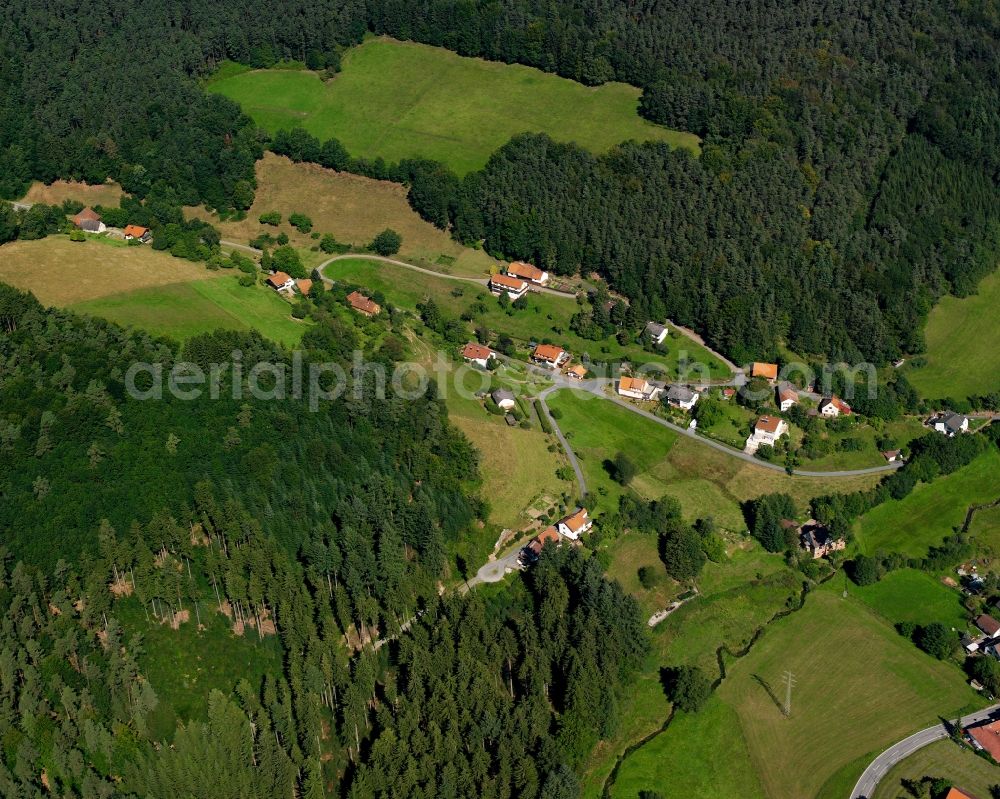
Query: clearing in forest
(398, 100)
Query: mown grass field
(89, 194)
(705, 481)
(932, 510)
(400, 100)
(63, 272)
(914, 596)
(962, 357)
(860, 687)
(353, 208)
(946, 760)
(183, 310)
(546, 317)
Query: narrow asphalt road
(865, 787)
(571, 456)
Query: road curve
(880, 766)
(571, 456)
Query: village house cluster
(571, 527)
(89, 221)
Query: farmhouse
(529, 554)
(949, 423)
(89, 220)
(656, 332)
(279, 281)
(576, 524)
(478, 354)
(523, 271)
(833, 406)
(137, 232)
(504, 398)
(766, 432)
(682, 397)
(577, 372)
(769, 371)
(818, 540)
(787, 396)
(514, 287)
(549, 355)
(986, 737)
(363, 305)
(988, 625)
(892, 455)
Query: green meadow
(962, 357)
(931, 511)
(183, 310)
(398, 100)
(907, 595)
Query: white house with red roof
(576, 524)
(766, 432)
(529, 272)
(833, 406)
(514, 287)
(478, 354)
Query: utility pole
(789, 680)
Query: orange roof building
(769, 371)
(526, 271)
(576, 524)
(88, 214)
(304, 285)
(363, 305)
(958, 793)
(513, 286)
(636, 387)
(279, 280)
(549, 354)
(477, 352)
(577, 372)
(135, 232)
(988, 737)
(768, 424)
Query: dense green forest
(848, 176)
(327, 530)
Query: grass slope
(404, 100)
(547, 316)
(932, 510)
(183, 310)
(860, 687)
(915, 596)
(353, 208)
(946, 760)
(90, 194)
(962, 357)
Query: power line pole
(789, 680)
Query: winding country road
(880, 766)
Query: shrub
(270, 218)
(77, 235)
(300, 222)
(687, 687)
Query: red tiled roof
(476, 352)
(788, 393)
(633, 384)
(526, 271)
(508, 282)
(548, 534)
(988, 737)
(86, 213)
(577, 520)
(768, 370)
(769, 424)
(579, 371)
(136, 231)
(548, 352)
(362, 303)
(278, 279)
(958, 793)
(304, 285)
(988, 624)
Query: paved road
(597, 387)
(865, 787)
(577, 469)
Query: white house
(576, 524)
(766, 432)
(656, 332)
(513, 286)
(639, 388)
(951, 424)
(549, 355)
(523, 271)
(787, 397)
(682, 397)
(280, 281)
(478, 354)
(833, 406)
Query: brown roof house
(280, 281)
(478, 354)
(988, 625)
(818, 540)
(986, 737)
(532, 274)
(550, 355)
(576, 524)
(363, 305)
(89, 220)
(513, 286)
(137, 232)
(766, 432)
(769, 371)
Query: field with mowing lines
(353, 208)
(946, 760)
(860, 688)
(962, 357)
(932, 510)
(398, 100)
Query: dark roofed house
(655, 331)
(818, 539)
(92, 225)
(950, 423)
(504, 398)
(988, 624)
(682, 397)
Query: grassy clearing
(62, 272)
(985, 528)
(962, 357)
(860, 688)
(109, 194)
(183, 310)
(943, 759)
(705, 481)
(404, 100)
(932, 511)
(910, 595)
(697, 757)
(350, 207)
(546, 317)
